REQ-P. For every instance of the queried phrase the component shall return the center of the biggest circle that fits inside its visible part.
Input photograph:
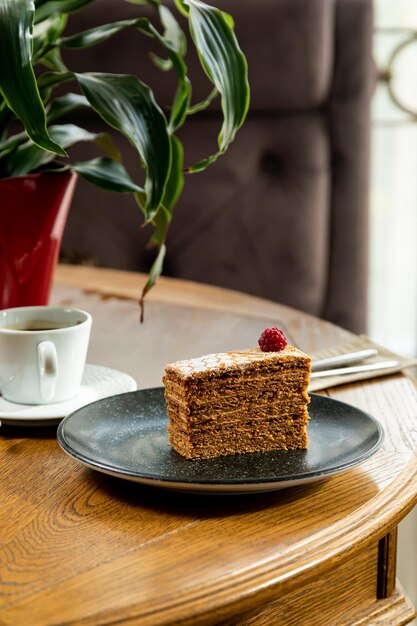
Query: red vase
(33, 214)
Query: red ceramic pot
(33, 214)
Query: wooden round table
(80, 547)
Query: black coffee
(41, 325)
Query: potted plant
(36, 176)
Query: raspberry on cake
(272, 339)
(238, 402)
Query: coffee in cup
(41, 325)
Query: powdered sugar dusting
(221, 361)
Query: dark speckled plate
(126, 436)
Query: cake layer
(270, 426)
(215, 406)
(226, 381)
(225, 442)
(245, 412)
(230, 392)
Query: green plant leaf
(180, 105)
(153, 3)
(161, 223)
(66, 104)
(173, 40)
(99, 34)
(172, 30)
(200, 106)
(11, 143)
(225, 65)
(183, 92)
(28, 156)
(47, 32)
(17, 80)
(49, 80)
(107, 174)
(175, 182)
(162, 64)
(163, 218)
(53, 60)
(45, 9)
(106, 143)
(153, 275)
(5, 116)
(181, 7)
(173, 190)
(128, 105)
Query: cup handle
(48, 369)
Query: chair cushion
(259, 220)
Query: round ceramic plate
(126, 436)
(97, 382)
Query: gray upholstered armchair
(284, 214)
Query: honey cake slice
(238, 402)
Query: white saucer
(97, 382)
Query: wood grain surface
(79, 547)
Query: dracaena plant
(32, 36)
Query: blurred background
(392, 315)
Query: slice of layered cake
(242, 401)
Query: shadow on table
(8, 431)
(207, 505)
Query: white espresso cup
(43, 351)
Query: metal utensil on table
(343, 359)
(355, 369)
